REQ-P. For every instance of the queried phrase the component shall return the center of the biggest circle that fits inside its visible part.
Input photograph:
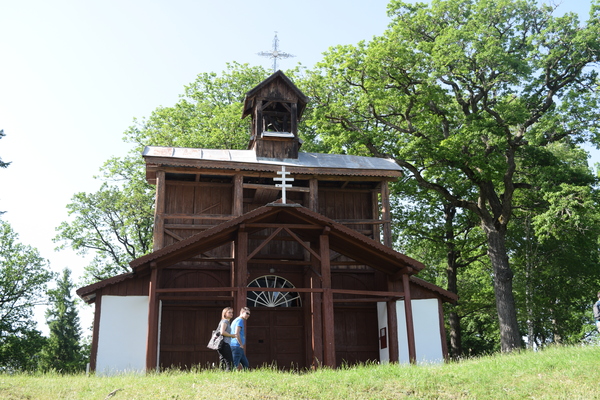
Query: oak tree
(460, 93)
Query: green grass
(555, 373)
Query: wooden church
(303, 239)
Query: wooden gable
(310, 225)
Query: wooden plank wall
(187, 201)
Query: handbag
(216, 340)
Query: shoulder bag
(216, 339)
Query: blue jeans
(239, 357)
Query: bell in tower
(275, 106)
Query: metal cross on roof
(283, 185)
(275, 53)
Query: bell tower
(275, 106)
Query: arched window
(272, 299)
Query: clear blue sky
(74, 74)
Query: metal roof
(305, 160)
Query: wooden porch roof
(310, 225)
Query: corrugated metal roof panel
(306, 160)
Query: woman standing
(225, 356)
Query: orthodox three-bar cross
(283, 185)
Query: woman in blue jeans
(225, 355)
(238, 343)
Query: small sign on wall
(383, 338)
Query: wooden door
(184, 333)
(276, 337)
(356, 334)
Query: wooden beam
(216, 217)
(241, 270)
(375, 211)
(386, 214)
(392, 322)
(316, 314)
(392, 325)
(159, 212)
(365, 300)
(442, 330)
(327, 305)
(294, 118)
(266, 225)
(276, 261)
(238, 195)
(361, 221)
(96, 330)
(313, 200)
(153, 310)
(173, 235)
(369, 293)
(196, 227)
(377, 295)
(410, 329)
(196, 298)
(264, 242)
(292, 234)
(195, 290)
(400, 274)
(272, 187)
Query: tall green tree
(448, 241)
(62, 351)
(459, 93)
(115, 224)
(23, 279)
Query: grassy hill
(554, 373)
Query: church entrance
(276, 338)
(275, 334)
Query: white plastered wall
(426, 322)
(122, 335)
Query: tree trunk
(451, 273)
(529, 287)
(510, 338)
(453, 319)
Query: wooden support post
(241, 269)
(294, 119)
(392, 328)
(159, 211)
(316, 311)
(442, 330)
(238, 195)
(153, 310)
(327, 304)
(410, 329)
(386, 214)
(376, 216)
(96, 328)
(313, 201)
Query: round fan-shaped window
(272, 298)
